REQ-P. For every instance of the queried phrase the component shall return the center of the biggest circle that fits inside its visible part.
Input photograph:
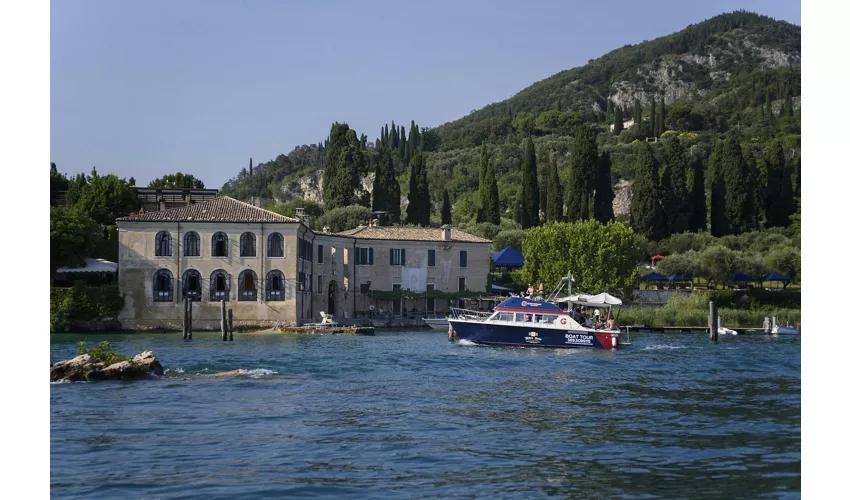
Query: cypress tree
(380, 197)
(494, 214)
(736, 176)
(580, 180)
(609, 109)
(603, 199)
(647, 214)
(638, 117)
(543, 184)
(797, 190)
(661, 119)
(554, 196)
(789, 103)
(446, 214)
(483, 187)
(677, 206)
(419, 206)
(652, 115)
(343, 165)
(779, 196)
(719, 222)
(618, 120)
(402, 145)
(518, 211)
(531, 194)
(697, 191)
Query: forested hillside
(703, 124)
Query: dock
(703, 330)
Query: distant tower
(250, 166)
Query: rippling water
(410, 415)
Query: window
(247, 286)
(397, 257)
(396, 302)
(248, 245)
(219, 285)
(461, 284)
(302, 281)
(163, 244)
(192, 284)
(429, 301)
(275, 286)
(505, 316)
(219, 245)
(321, 258)
(191, 245)
(463, 258)
(363, 256)
(305, 249)
(432, 258)
(162, 286)
(275, 245)
(320, 284)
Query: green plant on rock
(102, 352)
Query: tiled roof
(410, 234)
(221, 209)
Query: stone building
(271, 268)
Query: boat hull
(532, 335)
(440, 324)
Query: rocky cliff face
(622, 197)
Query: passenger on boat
(530, 291)
(612, 325)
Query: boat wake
(656, 347)
(466, 342)
(256, 373)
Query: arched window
(219, 244)
(219, 285)
(191, 245)
(275, 245)
(248, 245)
(192, 284)
(163, 244)
(163, 286)
(275, 286)
(247, 285)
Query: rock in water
(84, 367)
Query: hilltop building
(272, 268)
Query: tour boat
(520, 321)
(440, 324)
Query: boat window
(544, 318)
(505, 316)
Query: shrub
(83, 304)
(511, 237)
(102, 352)
(344, 218)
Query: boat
(773, 326)
(439, 324)
(722, 330)
(519, 321)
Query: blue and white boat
(520, 321)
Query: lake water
(410, 415)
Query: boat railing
(458, 313)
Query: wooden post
(189, 306)
(185, 319)
(712, 321)
(230, 323)
(223, 321)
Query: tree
(518, 210)
(543, 184)
(618, 120)
(483, 186)
(177, 181)
(103, 198)
(493, 211)
(73, 235)
(510, 237)
(677, 197)
(779, 193)
(58, 182)
(419, 197)
(446, 214)
(554, 196)
(386, 195)
(637, 114)
(344, 163)
(647, 213)
(531, 193)
(697, 191)
(553, 250)
(652, 116)
(580, 180)
(739, 188)
(662, 116)
(344, 218)
(719, 221)
(603, 198)
(719, 263)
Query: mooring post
(230, 323)
(185, 319)
(189, 306)
(712, 321)
(223, 320)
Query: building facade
(272, 269)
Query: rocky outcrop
(623, 197)
(85, 368)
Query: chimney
(447, 232)
(376, 222)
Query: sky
(148, 88)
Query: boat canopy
(521, 304)
(602, 299)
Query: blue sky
(150, 88)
